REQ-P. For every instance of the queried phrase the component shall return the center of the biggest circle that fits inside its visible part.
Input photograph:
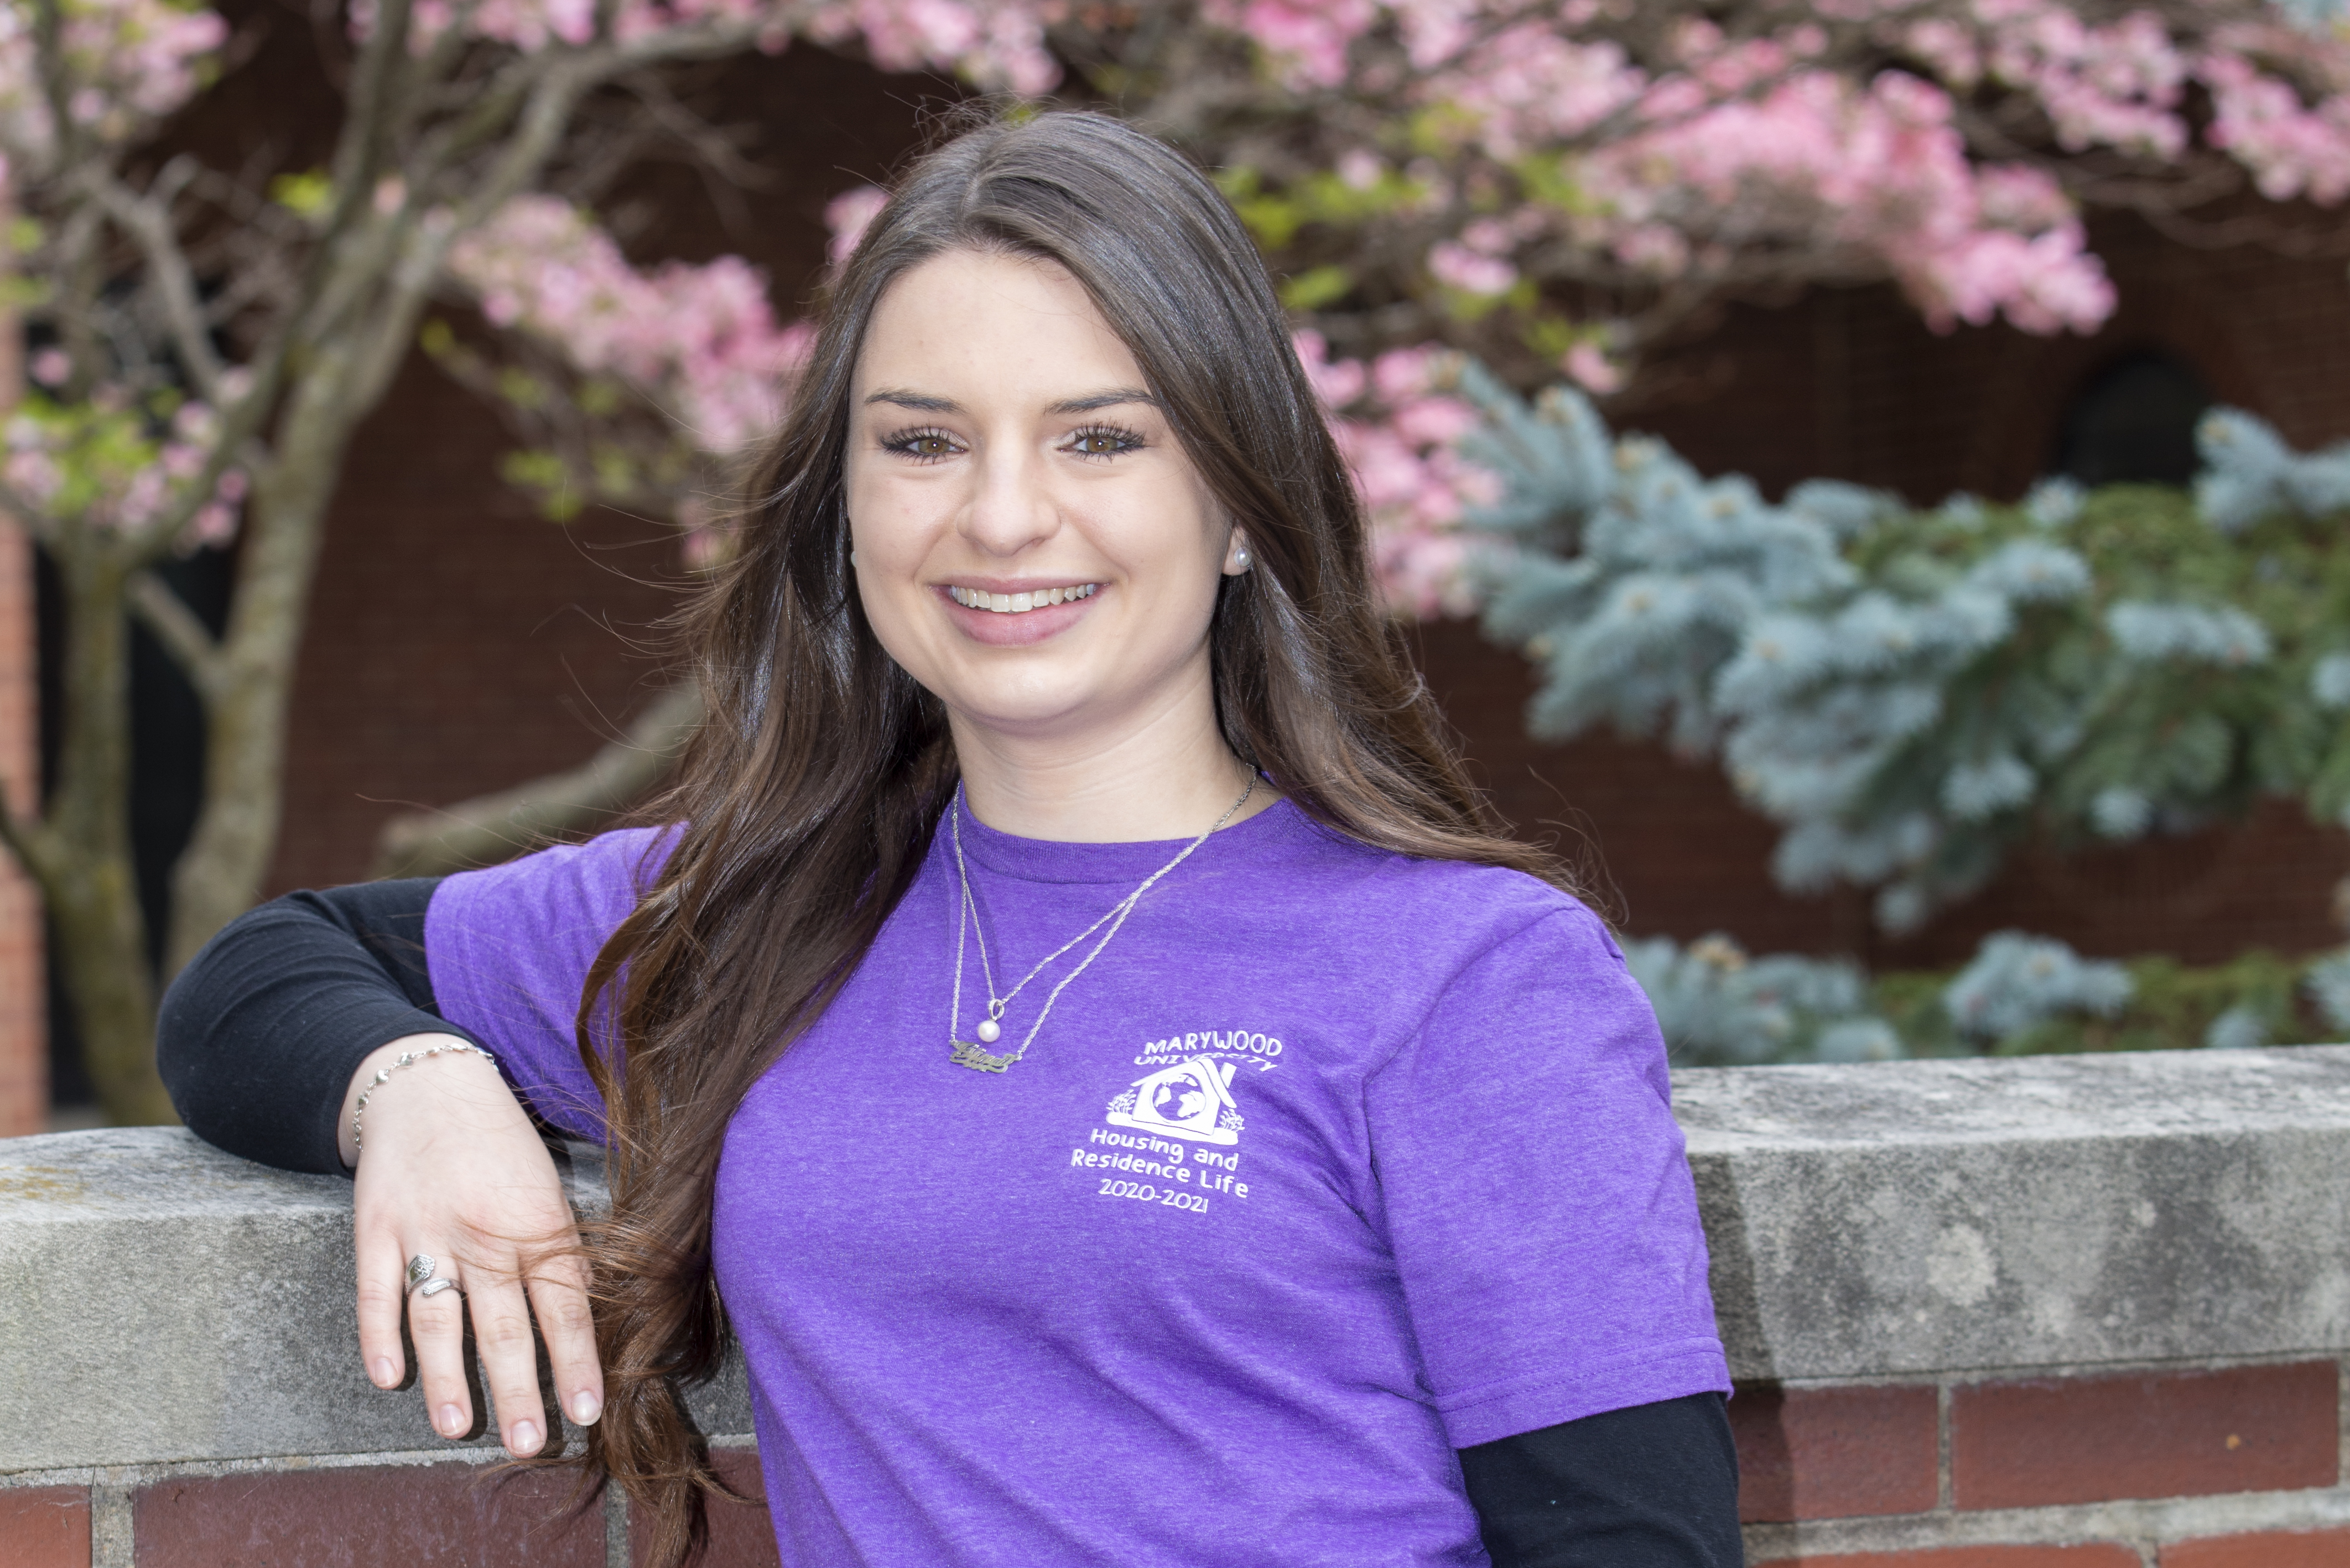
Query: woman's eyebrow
(924, 402)
(920, 401)
(1108, 399)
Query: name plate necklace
(973, 1054)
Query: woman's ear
(1238, 558)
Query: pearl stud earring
(1241, 559)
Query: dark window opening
(2134, 423)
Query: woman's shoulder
(1467, 905)
(599, 877)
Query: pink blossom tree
(218, 335)
(1559, 187)
(1565, 187)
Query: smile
(1018, 604)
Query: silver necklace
(973, 1053)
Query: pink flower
(1400, 375)
(1336, 384)
(699, 342)
(848, 216)
(1591, 370)
(1359, 168)
(1426, 422)
(1311, 36)
(1398, 444)
(36, 475)
(1469, 271)
(2293, 150)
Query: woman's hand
(453, 1171)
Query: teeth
(1014, 604)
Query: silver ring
(420, 1268)
(434, 1287)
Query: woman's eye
(1102, 443)
(930, 444)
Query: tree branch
(33, 842)
(494, 828)
(148, 220)
(182, 634)
(49, 48)
(357, 157)
(359, 152)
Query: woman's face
(1032, 546)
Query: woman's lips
(1028, 616)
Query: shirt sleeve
(1648, 1486)
(258, 1036)
(509, 949)
(1536, 1193)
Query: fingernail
(585, 1406)
(385, 1373)
(523, 1440)
(452, 1421)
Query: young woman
(1131, 1107)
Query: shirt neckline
(1263, 836)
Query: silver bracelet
(402, 1060)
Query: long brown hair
(811, 795)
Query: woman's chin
(1040, 703)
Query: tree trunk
(219, 876)
(91, 883)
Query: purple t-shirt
(1333, 1161)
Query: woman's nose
(1010, 509)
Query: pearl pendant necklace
(973, 1053)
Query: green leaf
(1551, 336)
(600, 396)
(1317, 286)
(306, 196)
(522, 388)
(1274, 220)
(545, 474)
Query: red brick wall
(2163, 1467)
(1967, 1473)
(45, 1527)
(452, 1514)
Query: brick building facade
(460, 643)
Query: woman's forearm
(1650, 1486)
(261, 1037)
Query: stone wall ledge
(2040, 1214)
(165, 1303)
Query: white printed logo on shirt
(1191, 1100)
